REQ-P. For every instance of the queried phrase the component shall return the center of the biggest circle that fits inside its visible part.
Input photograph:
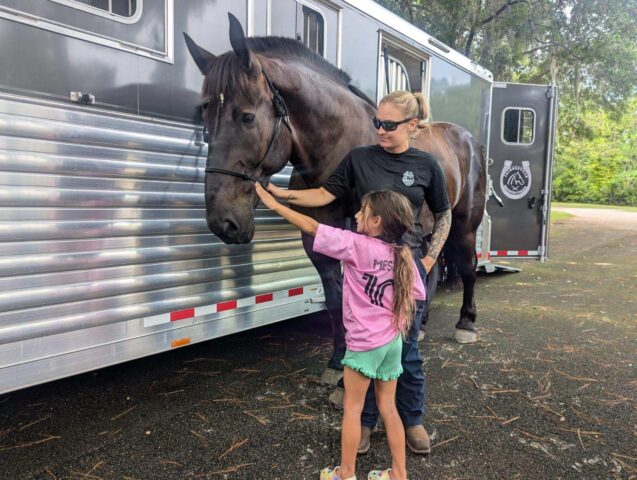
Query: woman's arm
(302, 222)
(442, 225)
(313, 197)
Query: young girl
(380, 286)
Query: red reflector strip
(274, 297)
(514, 253)
(479, 256)
(222, 307)
(182, 314)
(268, 297)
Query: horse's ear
(203, 58)
(239, 43)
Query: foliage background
(588, 48)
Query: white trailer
(104, 251)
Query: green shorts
(382, 363)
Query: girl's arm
(302, 222)
(313, 197)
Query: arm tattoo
(292, 197)
(442, 225)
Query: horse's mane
(226, 75)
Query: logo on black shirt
(408, 178)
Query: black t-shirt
(414, 173)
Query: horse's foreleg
(332, 286)
(466, 263)
(330, 272)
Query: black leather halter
(281, 111)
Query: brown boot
(363, 446)
(418, 439)
(336, 398)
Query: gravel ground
(550, 390)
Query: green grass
(555, 216)
(592, 205)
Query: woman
(393, 164)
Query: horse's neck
(327, 119)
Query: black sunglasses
(388, 125)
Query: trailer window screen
(518, 126)
(120, 8)
(313, 30)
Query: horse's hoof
(331, 377)
(336, 398)
(465, 336)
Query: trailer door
(521, 152)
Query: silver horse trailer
(104, 251)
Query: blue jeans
(410, 391)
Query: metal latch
(492, 193)
(81, 97)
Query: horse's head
(248, 138)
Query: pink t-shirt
(367, 285)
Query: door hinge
(540, 250)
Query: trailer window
(396, 72)
(313, 30)
(116, 8)
(518, 126)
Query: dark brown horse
(271, 100)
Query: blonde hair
(413, 105)
(397, 217)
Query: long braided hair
(397, 217)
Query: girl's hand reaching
(267, 199)
(304, 223)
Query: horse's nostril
(229, 226)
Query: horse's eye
(247, 118)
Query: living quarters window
(117, 8)
(518, 126)
(313, 30)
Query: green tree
(586, 47)
(596, 160)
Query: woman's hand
(304, 223)
(267, 199)
(277, 191)
(428, 263)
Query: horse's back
(459, 154)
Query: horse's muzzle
(230, 232)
